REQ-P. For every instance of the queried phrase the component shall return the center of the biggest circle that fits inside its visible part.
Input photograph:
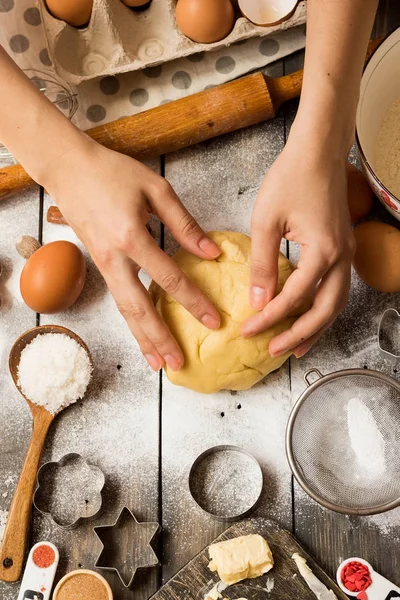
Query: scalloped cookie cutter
(69, 491)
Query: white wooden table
(142, 431)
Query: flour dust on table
(3, 521)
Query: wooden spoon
(12, 550)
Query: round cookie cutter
(226, 482)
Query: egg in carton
(118, 39)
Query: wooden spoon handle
(12, 550)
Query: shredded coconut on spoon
(54, 371)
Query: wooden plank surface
(145, 437)
(18, 216)
(218, 181)
(115, 428)
(195, 580)
(351, 342)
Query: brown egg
(75, 12)
(359, 194)
(136, 3)
(53, 277)
(377, 255)
(205, 21)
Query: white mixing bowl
(380, 87)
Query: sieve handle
(310, 372)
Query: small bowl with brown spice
(378, 123)
(83, 585)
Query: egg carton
(119, 39)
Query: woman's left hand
(303, 198)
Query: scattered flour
(270, 584)
(388, 524)
(388, 149)
(366, 439)
(3, 521)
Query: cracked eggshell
(267, 12)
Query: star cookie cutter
(69, 491)
(127, 532)
(387, 346)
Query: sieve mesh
(343, 441)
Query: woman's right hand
(108, 198)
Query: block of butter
(244, 557)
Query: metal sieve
(343, 441)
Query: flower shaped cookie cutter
(69, 491)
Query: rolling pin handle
(284, 88)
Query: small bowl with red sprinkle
(354, 577)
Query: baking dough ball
(222, 359)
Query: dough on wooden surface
(244, 557)
(222, 359)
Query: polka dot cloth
(110, 98)
(181, 80)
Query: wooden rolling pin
(185, 122)
(213, 112)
